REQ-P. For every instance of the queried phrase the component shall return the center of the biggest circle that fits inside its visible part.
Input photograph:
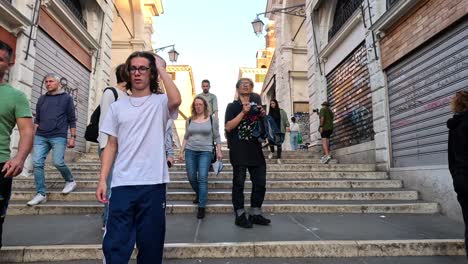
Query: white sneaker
(322, 159)
(270, 156)
(69, 187)
(327, 159)
(278, 161)
(38, 199)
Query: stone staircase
(299, 188)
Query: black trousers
(272, 150)
(460, 184)
(258, 178)
(5, 193)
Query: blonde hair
(460, 102)
(205, 107)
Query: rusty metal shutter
(420, 89)
(350, 97)
(52, 58)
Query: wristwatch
(73, 136)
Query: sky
(214, 37)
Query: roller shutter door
(350, 97)
(420, 89)
(52, 58)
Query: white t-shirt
(139, 126)
(294, 127)
(106, 100)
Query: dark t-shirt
(244, 149)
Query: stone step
(294, 249)
(93, 150)
(225, 184)
(226, 195)
(458, 259)
(226, 161)
(49, 238)
(301, 175)
(284, 155)
(177, 207)
(228, 167)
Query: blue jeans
(42, 147)
(293, 140)
(197, 164)
(105, 213)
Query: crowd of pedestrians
(135, 212)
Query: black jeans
(280, 149)
(5, 193)
(258, 178)
(460, 184)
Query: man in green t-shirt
(210, 98)
(326, 129)
(14, 110)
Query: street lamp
(297, 10)
(173, 54)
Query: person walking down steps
(202, 130)
(55, 113)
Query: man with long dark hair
(135, 127)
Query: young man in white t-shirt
(135, 127)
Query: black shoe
(201, 213)
(195, 201)
(259, 220)
(242, 221)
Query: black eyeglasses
(141, 69)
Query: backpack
(92, 130)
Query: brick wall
(420, 24)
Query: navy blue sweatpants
(136, 214)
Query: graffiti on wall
(73, 92)
(350, 97)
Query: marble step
(177, 207)
(228, 167)
(226, 195)
(250, 251)
(226, 161)
(225, 184)
(284, 155)
(227, 175)
(291, 238)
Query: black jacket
(458, 141)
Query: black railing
(75, 7)
(344, 10)
(391, 3)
